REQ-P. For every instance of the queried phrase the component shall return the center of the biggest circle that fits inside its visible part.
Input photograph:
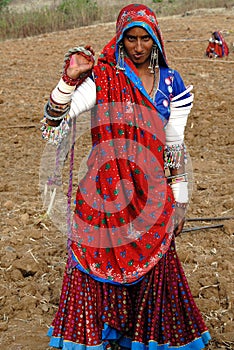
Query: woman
(124, 285)
(217, 46)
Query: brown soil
(33, 250)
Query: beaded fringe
(173, 155)
(55, 134)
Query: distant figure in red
(217, 46)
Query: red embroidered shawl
(122, 222)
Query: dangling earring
(153, 59)
(120, 62)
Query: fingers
(86, 52)
(178, 229)
(80, 61)
(179, 221)
(77, 60)
(88, 47)
(73, 61)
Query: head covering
(130, 16)
(136, 15)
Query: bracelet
(181, 205)
(54, 108)
(173, 156)
(64, 89)
(180, 191)
(75, 82)
(49, 117)
(69, 81)
(176, 175)
(177, 178)
(55, 105)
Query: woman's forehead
(136, 31)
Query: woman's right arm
(74, 94)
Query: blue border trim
(60, 343)
(110, 333)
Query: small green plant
(70, 6)
(84, 11)
(3, 4)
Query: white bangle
(180, 191)
(62, 93)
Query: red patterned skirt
(158, 312)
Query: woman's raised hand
(79, 61)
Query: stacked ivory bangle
(175, 148)
(62, 93)
(82, 99)
(178, 119)
(180, 192)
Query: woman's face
(138, 45)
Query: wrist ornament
(48, 109)
(55, 134)
(180, 191)
(181, 205)
(173, 179)
(56, 122)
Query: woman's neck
(143, 69)
(149, 79)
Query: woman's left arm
(175, 153)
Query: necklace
(151, 93)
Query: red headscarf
(140, 15)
